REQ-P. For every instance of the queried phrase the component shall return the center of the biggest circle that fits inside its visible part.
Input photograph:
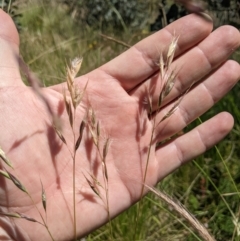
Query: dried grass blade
(17, 183)
(4, 158)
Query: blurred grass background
(52, 32)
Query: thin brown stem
(74, 181)
(106, 190)
(145, 176)
(115, 40)
(44, 222)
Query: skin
(115, 91)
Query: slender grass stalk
(74, 182)
(94, 128)
(174, 216)
(215, 187)
(76, 98)
(225, 165)
(114, 9)
(167, 78)
(115, 40)
(44, 222)
(183, 213)
(9, 6)
(144, 179)
(21, 187)
(105, 177)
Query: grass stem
(44, 222)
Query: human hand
(115, 92)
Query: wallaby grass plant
(72, 99)
(198, 189)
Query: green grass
(47, 42)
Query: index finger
(140, 61)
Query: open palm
(116, 92)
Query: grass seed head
(12, 215)
(4, 174)
(92, 186)
(81, 129)
(168, 79)
(105, 148)
(170, 83)
(93, 118)
(68, 108)
(173, 109)
(4, 158)
(58, 132)
(95, 180)
(27, 218)
(44, 198)
(75, 66)
(105, 172)
(171, 51)
(17, 183)
(162, 65)
(75, 96)
(98, 129)
(94, 137)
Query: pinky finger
(190, 145)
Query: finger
(192, 144)
(140, 62)
(195, 64)
(198, 100)
(9, 50)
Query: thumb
(9, 51)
